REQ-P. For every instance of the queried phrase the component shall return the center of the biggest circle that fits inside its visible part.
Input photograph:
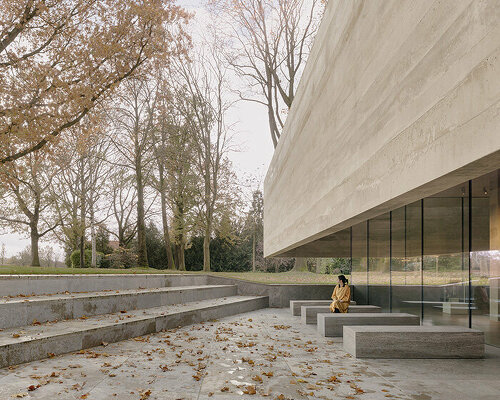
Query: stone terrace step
(296, 304)
(413, 342)
(13, 285)
(332, 325)
(31, 343)
(308, 314)
(25, 310)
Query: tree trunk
(164, 218)
(82, 216)
(300, 264)
(93, 237)
(142, 252)
(35, 258)
(253, 252)
(206, 249)
(181, 259)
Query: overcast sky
(251, 138)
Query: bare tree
(183, 184)
(134, 123)
(124, 205)
(80, 186)
(204, 83)
(26, 202)
(269, 45)
(160, 137)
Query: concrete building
(390, 158)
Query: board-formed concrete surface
(331, 325)
(295, 305)
(20, 345)
(413, 342)
(219, 360)
(308, 314)
(398, 101)
(20, 311)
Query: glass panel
(379, 277)
(485, 256)
(359, 270)
(406, 261)
(446, 270)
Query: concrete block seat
(332, 325)
(308, 314)
(21, 311)
(29, 343)
(296, 304)
(413, 342)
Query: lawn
(21, 270)
(290, 277)
(282, 277)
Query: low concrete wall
(13, 285)
(379, 295)
(279, 294)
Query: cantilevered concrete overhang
(399, 101)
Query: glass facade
(438, 258)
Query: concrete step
(413, 342)
(308, 314)
(14, 285)
(21, 311)
(31, 343)
(296, 304)
(332, 325)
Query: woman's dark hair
(343, 279)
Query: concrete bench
(308, 314)
(413, 342)
(332, 324)
(296, 304)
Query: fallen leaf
(250, 390)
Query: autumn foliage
(61, 58)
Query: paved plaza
(264, 354)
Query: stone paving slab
(228, 353)
(41, 341)
(21, 311)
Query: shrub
(338, 266)
(75, 259)
(122, 258)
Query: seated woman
(341, 296)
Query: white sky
(251, 138)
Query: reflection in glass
(485, 256)
(379, 275)
(359, 263)
(406, 274)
